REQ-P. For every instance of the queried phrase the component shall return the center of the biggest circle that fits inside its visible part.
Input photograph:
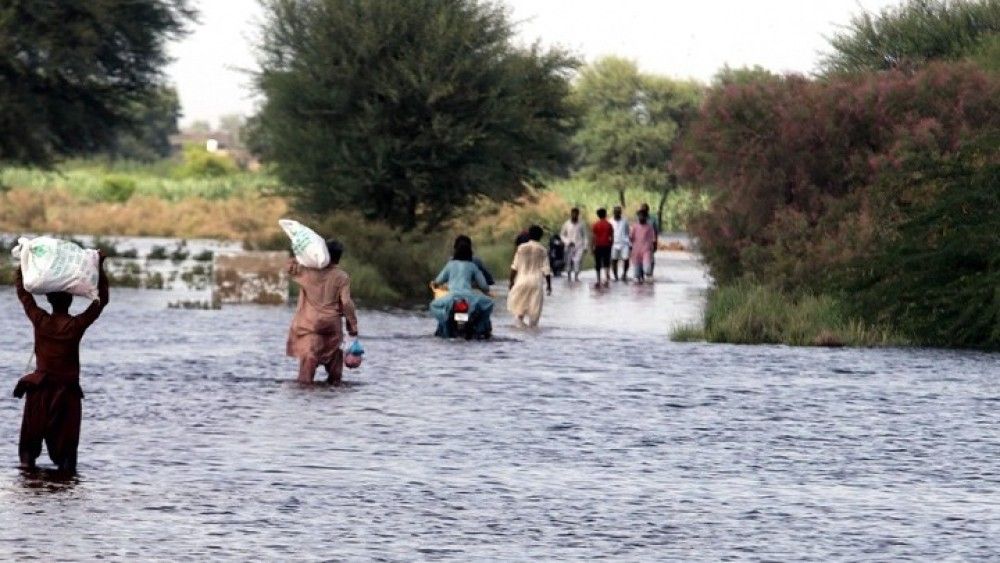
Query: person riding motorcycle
(463, 276)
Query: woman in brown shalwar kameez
(52, 409)
(317, 330)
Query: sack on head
(309, 248)
(49, 265)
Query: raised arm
(103, 295)
(31, 308)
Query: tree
(629, 124)
(153, 121)
(914, 33)
(70, 71)
(406, 110)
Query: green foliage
(199, 163)
(117, 189)
(937, 276)
(88, 179)
(910, 35)
(865, 187)
(629, 124)
(153, 121)
(748, 313)
(72, 71)
(790, 163)
(407, 110)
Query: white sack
(309, 248)
(49, 265)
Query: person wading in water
(529, 270)
(317, 330)
(52, 407)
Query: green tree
(630, 122)
(70, 71)
(915, 32)
(153, 121)
(406, 110)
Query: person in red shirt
(604, 236)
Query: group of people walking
(52, 410)
(612, 242)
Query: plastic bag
(309, 248)
(354, 355)
(356, 348)
(49, 265)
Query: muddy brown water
(594, 437)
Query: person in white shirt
(622, 248)
(574, 235)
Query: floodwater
(595, 437)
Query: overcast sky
(680, 38)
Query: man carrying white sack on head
(52, 407)
(317, 331)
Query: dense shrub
(199, 163)
(813, 180)
(936, 275)
(789, 162)
(117, 189)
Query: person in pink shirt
(643, 238)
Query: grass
(99, 183)
(747, 313)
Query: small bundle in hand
(309, 248)
(354, 355)
(50, 265)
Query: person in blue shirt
(465, 280)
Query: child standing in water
(52, 408)
(317, 330)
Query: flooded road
(594, 437)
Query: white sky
(680, 38)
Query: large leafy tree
(630, 122)
(153, 120)
(406, 110)
(918, 31)
(71, 71)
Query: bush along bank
(748, 313)
(900, 222)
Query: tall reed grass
(748, 313)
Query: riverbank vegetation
(747, 313)
(873, 189)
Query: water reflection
(45, 480)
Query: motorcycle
(557, 255)
(462, 321)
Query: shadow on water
(46, 480)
